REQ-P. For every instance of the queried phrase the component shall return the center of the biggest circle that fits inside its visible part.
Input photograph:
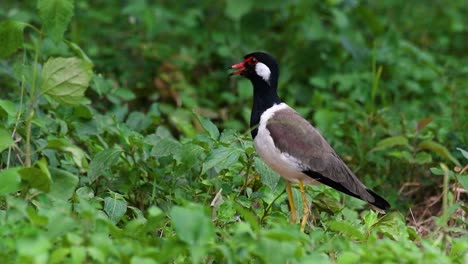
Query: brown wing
(295, 136)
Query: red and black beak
(239, 67)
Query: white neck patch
(263, 71)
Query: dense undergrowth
(123, 141)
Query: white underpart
(263, 71)
(284, 164)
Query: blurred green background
(384, 81)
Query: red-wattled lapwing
(289, 144)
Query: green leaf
(463, 180)
(102, 162)
(36, 178)
(221, 157)
(391, 142)
(9, 107)
(345, 228)
(78, 155)
(423, 158)
(464, 153)
(10, 181)
(63, 185)
(66, 79)
(115, 208)
(197, 232)
(439, 150)
(166, 147)
(5, 140)
(11, 37)
(55, 15)
(269, 177)
(236, 9)
(208, 126)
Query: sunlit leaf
(66, 79)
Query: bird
(290, 145)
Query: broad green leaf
(439, 150)
(194, 228)
(55, 15)
(269, 177)
(11, 37)
(9, 107)
(63, 185)
(78, 155)
(208, 126)
(66, 79)
(199, 230)
(236, 9)
(5, 140)
(166, 147)
(221, 157)
(391, 142)
(115, 208)
(36, 178)
(102, 162)
(345, 228)
(10, 181)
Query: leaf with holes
(66, 79)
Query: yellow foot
(305, 211)
(292, 206)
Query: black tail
(379, 201)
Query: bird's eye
(253, 60)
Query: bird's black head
(258, 67)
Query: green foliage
(123, 141)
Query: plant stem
(32, 100)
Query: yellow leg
(292, 206)
(306, 211)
